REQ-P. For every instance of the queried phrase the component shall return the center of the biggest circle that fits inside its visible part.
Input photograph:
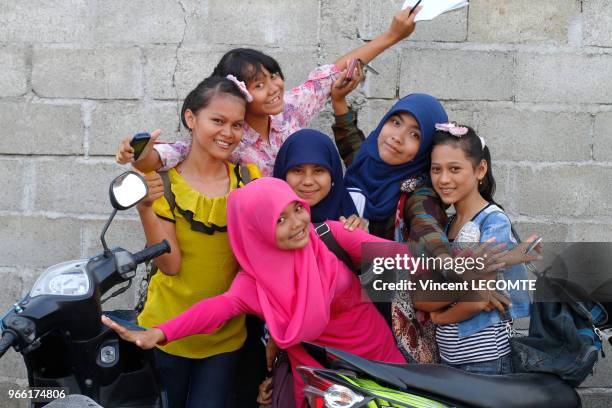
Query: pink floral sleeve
(172, 154)
(305, 101)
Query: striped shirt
(488, 344)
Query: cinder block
(11, 365)
(602, 375)
(592, 233)
(538, 136)
(597, 25)
(13, 76)
(383, 85)
(83, 187)
(502, 175)
(455, 74)
(461, 116)
(12, 285)
(339, 24)
(139, 22)
(564, 78)
(521, 21)
(274, 22)
(102, 73)
(5, 401)
(12, 194)
(376, 17)
(296, 63)
(38, 241)
(372, 112)
(602, 144)
(550, 232)
(595, 398)
(125, 233)
(113, 121)
(37, 128)
(568, 190)
(45, 21)
(193, 66)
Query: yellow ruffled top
(208, 266)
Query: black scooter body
(57, 326)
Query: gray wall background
(533, 77)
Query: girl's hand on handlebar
(144, 339)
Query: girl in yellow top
(198, 370)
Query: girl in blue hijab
(399, 148)
(309, 162)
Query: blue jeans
(502, 365)
(202, 383)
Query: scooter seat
(476, 390)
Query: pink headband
(456, 131)
(241, 86)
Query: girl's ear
(190, 119)
(481, 169)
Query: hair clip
(482, 141)
(241, 86)
(452, 128)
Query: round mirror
(127, 190)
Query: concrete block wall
(76, 76)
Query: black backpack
(563, 335)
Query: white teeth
(222, 143)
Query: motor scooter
(349, 381)
(57, 327)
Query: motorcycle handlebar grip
(152, 252)
(8, 338)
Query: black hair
(245, 64)
(202, 94)
(471, 145)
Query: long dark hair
(471, 145)
(201, 95)
(245, 64)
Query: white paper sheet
(433, 8)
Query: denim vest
(493, 222)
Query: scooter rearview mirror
(127, 190)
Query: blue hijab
(308, 146)
(380, 182)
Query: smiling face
(399, 139)
(453, 174)
(217, 128)
(267, 90)
(311, 182)
(292, 227)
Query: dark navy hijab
(308, 146)
(380, 182)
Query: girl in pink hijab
(290, 279)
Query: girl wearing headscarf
(311, 165)
(291, 280)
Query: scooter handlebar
(152, 252)
(8, 339)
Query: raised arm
(401, 27)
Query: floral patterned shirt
(302, 103)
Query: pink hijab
(295, 288)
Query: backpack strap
(243, 175)
(324, 232)
(168, 194)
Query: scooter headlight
(338, 396)
(65, 279)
